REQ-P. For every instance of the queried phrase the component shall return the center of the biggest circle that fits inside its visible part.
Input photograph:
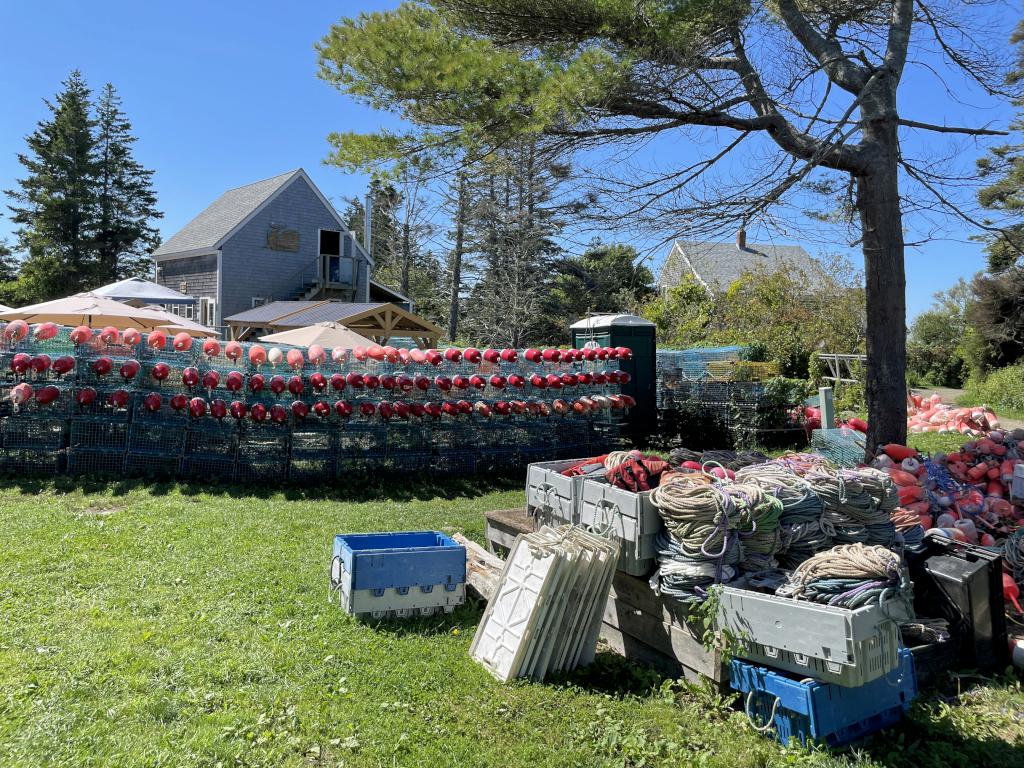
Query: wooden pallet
(502, 526)
(640, 625)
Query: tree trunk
(878, 204)
(460, 235)
(406, 258)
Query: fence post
(828, 407)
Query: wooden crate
(640, 625)
(503, 525)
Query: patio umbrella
(98, 311)
(327, 334)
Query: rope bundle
(848, 576)
(759, 514)
(858, 504)
(733, 460)
(685, 578)
(699, 517)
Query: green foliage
(1002, 388)
(936, 354)
(785, 316)
(55, 204)
(84, 208)
(996, 319)
(603, 279)
(125, 200)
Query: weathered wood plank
(483, 570)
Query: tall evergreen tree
(513, 227)
(8, 263)
(126, 202)
(55, 203)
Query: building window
(190, 312)
(259, 301)
(336, 266)
(330, 242)
(207, 311)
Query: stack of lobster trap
(152, 410)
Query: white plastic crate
(630, 517)
(551, 495)
(546, 613)
(830, 644)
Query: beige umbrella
(98, 311)
(328, 335)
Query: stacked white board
(546, 613)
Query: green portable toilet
(639, 335)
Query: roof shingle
(222, 215)
(719, 265)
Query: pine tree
(8, 263)
(55, 204)
(513, 226)
(126, 201)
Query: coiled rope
(848, 576)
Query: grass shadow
(383, 487)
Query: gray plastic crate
(631, 518)
(551, 495)
(834, 645)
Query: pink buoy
(46, 331)
(182, 342)
(132, 337)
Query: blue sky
(221, 94)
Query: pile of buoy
(930, 414)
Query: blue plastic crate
(384, 575)
(823, 713)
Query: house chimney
(368, 223)
(741, 239)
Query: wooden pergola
(379, 322)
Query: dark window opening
(330, 242)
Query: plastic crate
(819, 713)
(630, 517)
(551, 495)
(834, 645)
(95, 462)
(393, 575)
(34, 432)
(98, 434)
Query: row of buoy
(197, 406)
(316, 354)
(22, 363)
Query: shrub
(1003, 388)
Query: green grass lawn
(188, 626)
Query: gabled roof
(719, 265)
(234, 209)
(138, 289)
(377, 320)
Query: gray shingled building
(719, 265)
(273, 240)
